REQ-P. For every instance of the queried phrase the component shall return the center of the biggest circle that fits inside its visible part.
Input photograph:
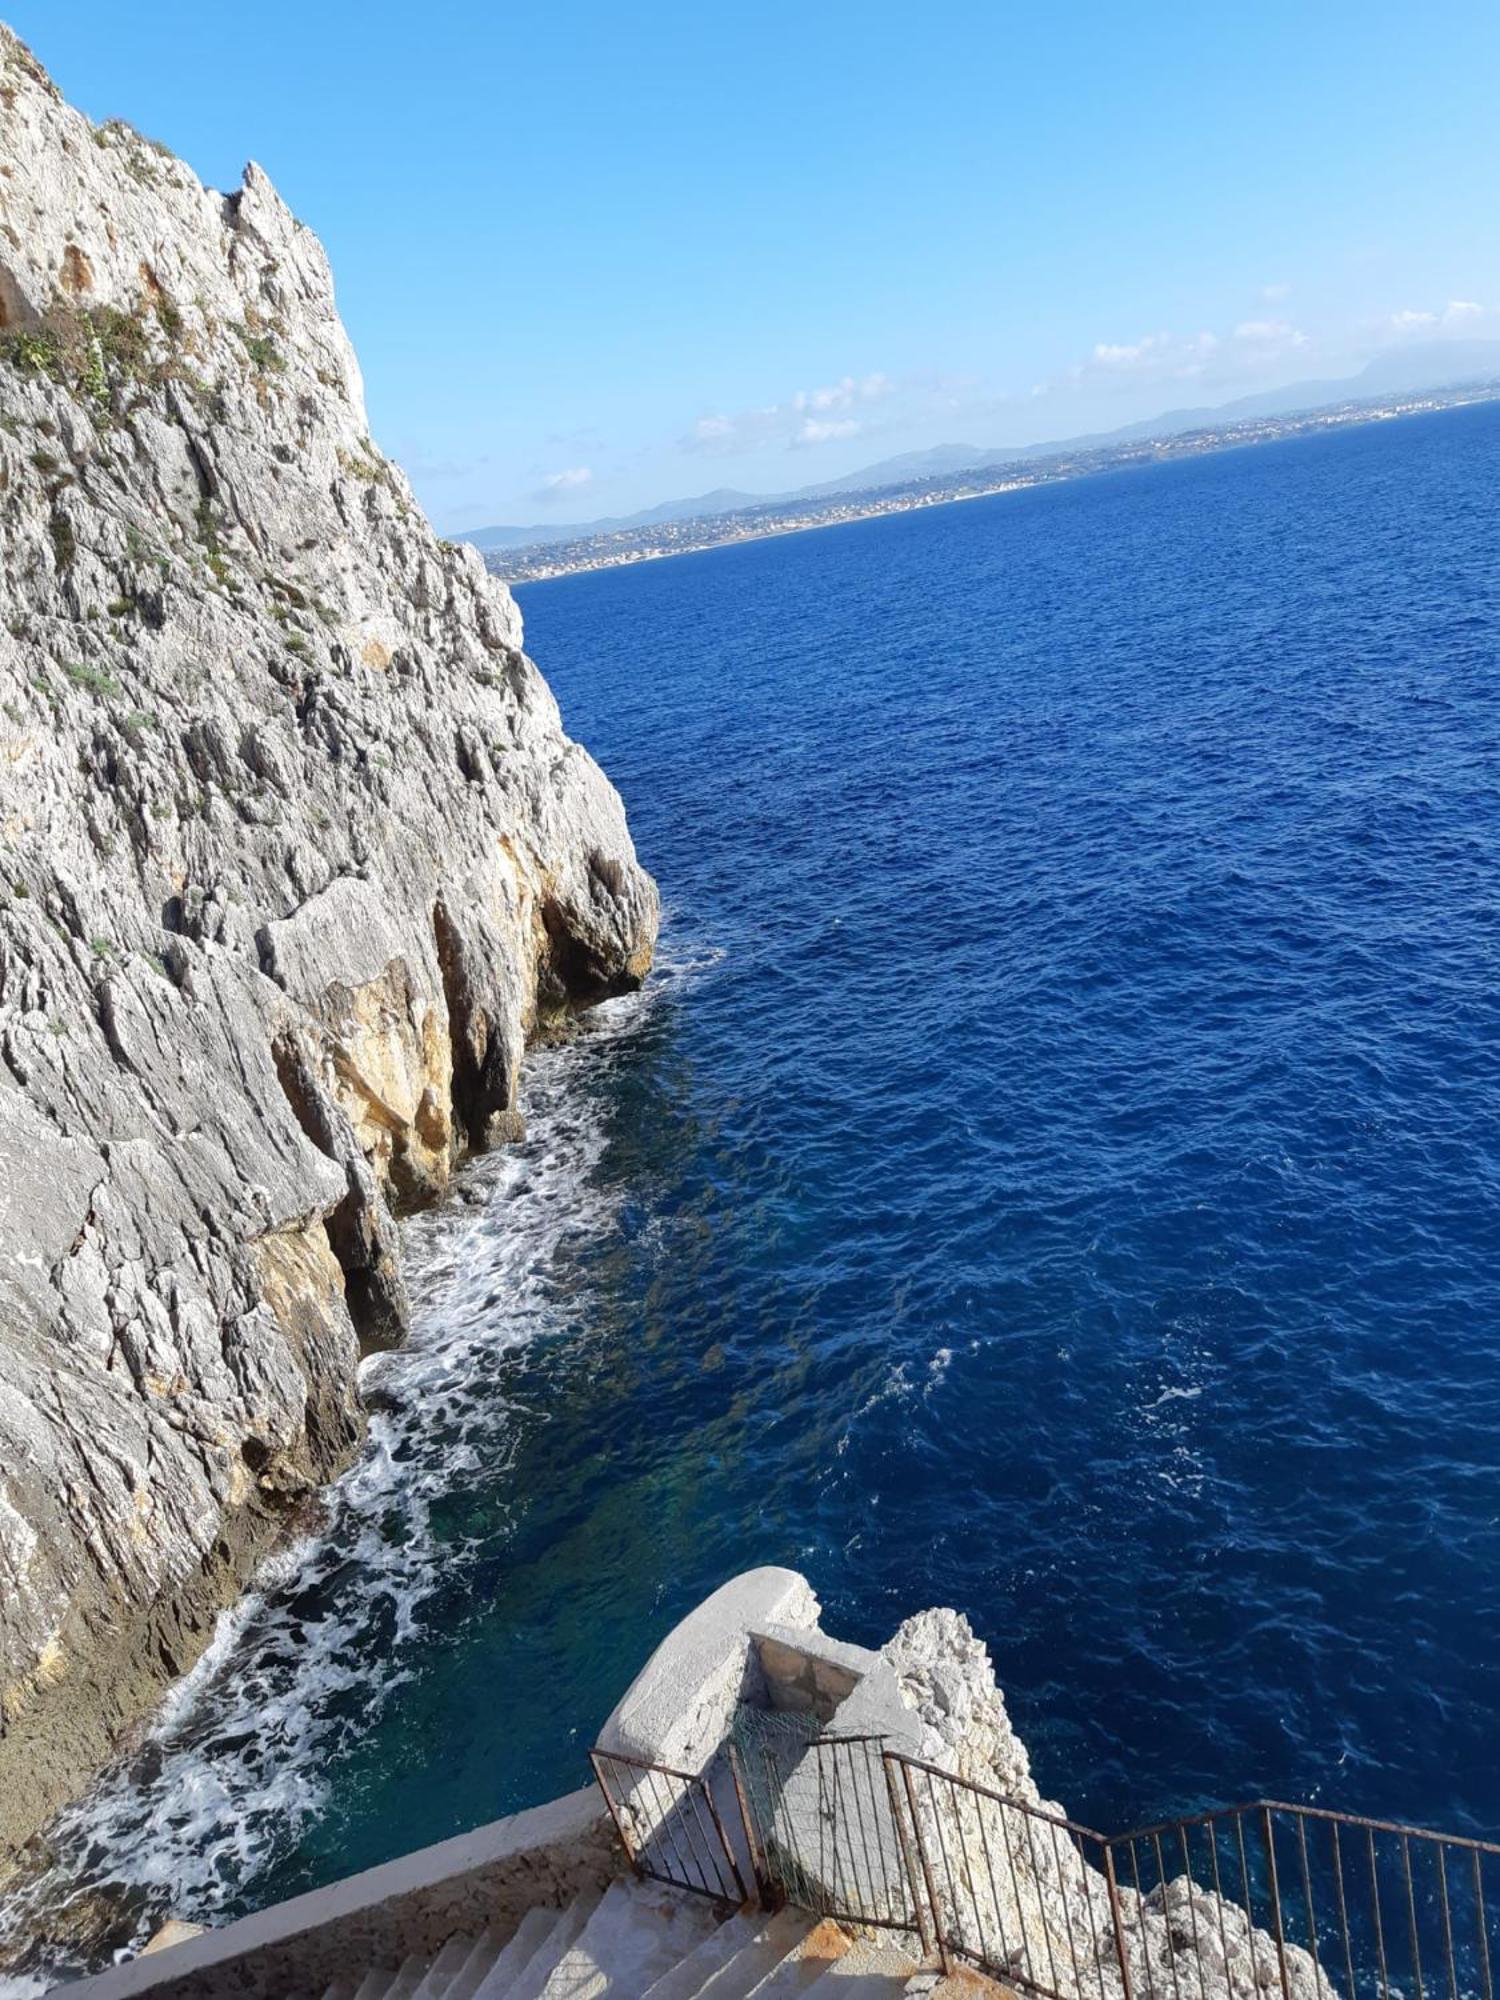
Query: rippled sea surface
(1055, 1174)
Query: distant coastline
(619, 547)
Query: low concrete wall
(802, 1677)
(678, 1709)
(485, 1880)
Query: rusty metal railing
(669, 1825)
(824, 1826)
(1266, 1901)
(1299, 1901)
(1257, 1902)
(1024, 1894)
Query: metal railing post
(757, 1858)
(932, 1897)
(1273, 1885)
(1117, 1918)
(614, 1813)
(919, 1909)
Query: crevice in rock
(483, 1085)
(361, 1230)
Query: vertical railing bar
(1447, 1920)
(1483, 1922)
(1096, 1942)
(953, 1897)
(1161, 1883)
(1066, 1913)
(963, 1848)
(1192, 1903)
(1036, 1876)
(1273, 1888)
(729, 1854)
(888, 1861)
(753, 1846)
(823, 1821)
(1140, 1918)
(840, 1821)
(853, 1797)
(855, 1753)
(859, 1754)
(1411, 1914)
(692, 1835)
(919, 1908)
(664, 1825)
(989, 1863)
(699, 1841)
(1211, 1828)
(1117, 1918)
(1312, 1920)
(643, 1801)
(1015, 1883)
(1249, 1893)
(1338, 1878)
(719, 1853)
(1385, 1984)
(944, 1956)
(828, 1862)
(615, 1813)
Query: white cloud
(1203, 360)
(1458, 316)
(558, 485)
(810, 417)
(1274, 294)
(823, 430)
(1269, 332)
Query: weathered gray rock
(1028, 1894)
(294, 854)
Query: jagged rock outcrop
(294, 854)
(1028, 1893)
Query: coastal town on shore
(616, 547)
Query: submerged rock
(294, 856)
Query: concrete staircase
(642, 1942)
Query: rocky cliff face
(294, 854)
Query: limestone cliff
(294, 853)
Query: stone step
(528, 1982)
(445, 1968)
(503, 1962)
(690, 1974)
(821, 1946)
(637, 1933)
(757, 1960)
(409, 1976)
(866, 1971)
(376, 1983)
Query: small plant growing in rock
(265, 356)
(93, 678)
(33, 351)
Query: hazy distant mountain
(1429, 365)
(723, 500)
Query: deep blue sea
(1055, 1173)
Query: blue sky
(595, 256)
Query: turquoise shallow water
(1055, 1173)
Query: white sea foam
(236, 1761)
